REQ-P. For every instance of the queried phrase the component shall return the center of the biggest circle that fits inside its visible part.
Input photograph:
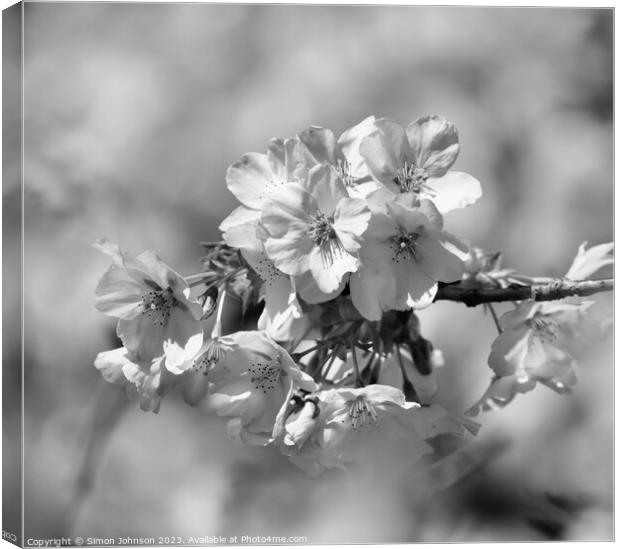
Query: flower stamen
(411, 179)
(157, 305)
(267, 270)
(324, 236)
(265, 375)
(343, 168)
(321, 228)
(544, 329)
(216, 348)
(404, 245)
(362, 414)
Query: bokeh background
(133, 113)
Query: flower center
(544, 329)
(265, 375)
(404, 246)
(362, 414)
(324, 236)
(157, 305)
(321, 228)
(267, 270)
(410, 178)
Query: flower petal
(142, 337)
(119, 294)
(288, 209)
(109, 248)
(110, 364)
(453, 190)
(329, 264)
(251, 179)
(291, 254)
(321, 143)
(239, 216)
(281, 309)
(501, 392)
(421, 289)
(373, 288)
(351, 220)
(183, 339)
(381, 394)
(160, 273)
(148, 382)
(509, 350)
(326, 188)
(435, 143)
(435, 259)
(350, 142)
(385, 150)
(588, 262)
(310, 292)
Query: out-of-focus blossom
(483, 270)
(417, 161)
(590, 261)
(403, 256)
(316, 228)
(343, 154)
(152, 303)
(145, 381)
(536, 346)
(368, 426)
(252, 382)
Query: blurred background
(132, 115)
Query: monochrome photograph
(306, 274)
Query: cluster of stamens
(343, 168)
(362, 414)
(404, 246)
(544, 329)
(215, 351)
(157, 305)
(410, 178)
(267, 270)
(265, 375)
(321, 228)
(324, 235)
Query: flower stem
(327, 364)
(494, 315)
(297, 356)
(356, 367)
(197, 279)
(296, 344)
(217, 327)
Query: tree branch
(554, 290)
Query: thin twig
(558, 289)
(105, 414)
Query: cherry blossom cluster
(336, 245)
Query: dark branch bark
(557, 289)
